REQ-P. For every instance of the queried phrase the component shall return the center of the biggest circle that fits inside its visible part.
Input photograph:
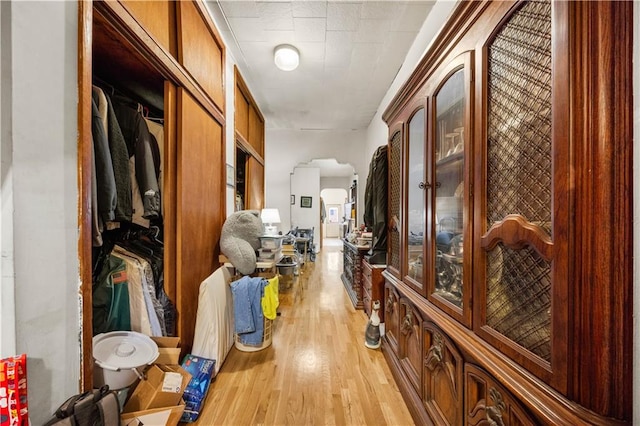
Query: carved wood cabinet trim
(443, 375)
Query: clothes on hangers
(106, 184)
(111, 298)
(126, 193)
(145, 310)
(119, 156)
(157, 131)
(145, 149)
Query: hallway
(317, 370)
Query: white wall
(7, 283)
(335, 182)
(305, 181)
(40, 129)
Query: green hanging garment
(111, 298)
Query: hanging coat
(375, 200)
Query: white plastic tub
(120, 358)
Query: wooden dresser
(372, 287)
(352, 272)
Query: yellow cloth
(270, 300)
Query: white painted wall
(40, 176)
(305, 181)
(7, 283)
(335, 182)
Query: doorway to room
(310, 205)
(332, 224)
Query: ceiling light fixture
(286, 57)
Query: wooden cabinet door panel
(392, 315)
(487, 402)
(242, 114)
(366, 287)
(377, 290)
(200, 206)
(256, 131)
(366, 303)
(158, 18)
(443, 377)
(411, 357)
(200, 52)
(255, 185)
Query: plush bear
(241, 238)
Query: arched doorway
(334, 218)
(307, 181)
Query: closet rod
(134, 96)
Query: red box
(13, 391)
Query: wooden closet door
(242, 114)
(200, 207)
(256, 130)
(200, 51)
(158, 17)
(255, 184)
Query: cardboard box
(169, 349)
(169, 416)
(164, 387)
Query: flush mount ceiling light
(286, 57)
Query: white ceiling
(350, 52)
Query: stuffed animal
(241, 238)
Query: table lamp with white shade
(270, 218)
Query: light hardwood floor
(317, 370)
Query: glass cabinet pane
(449, 131)
(416, 198)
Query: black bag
(98, 407)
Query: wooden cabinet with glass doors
(499, 306)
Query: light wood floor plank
(317, 370)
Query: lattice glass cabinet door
(519, 173)
(395, 200)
